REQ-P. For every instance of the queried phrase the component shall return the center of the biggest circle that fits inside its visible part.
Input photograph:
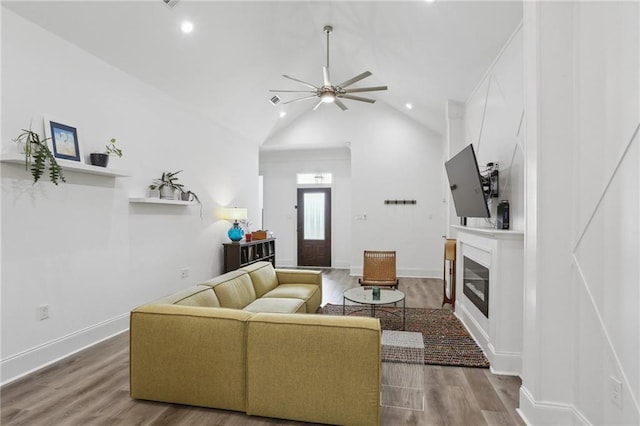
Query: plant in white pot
(153, 191)
(169, 188)
(102, 158)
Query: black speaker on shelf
(502, 221)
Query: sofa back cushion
(197, 295)
(263, 277)
(235, 292)
(205, 297)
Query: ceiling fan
(329, 93)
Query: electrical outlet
(43, 312)
(616, 391)
(184, 273)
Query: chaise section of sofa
(188, 355)
(314, 368)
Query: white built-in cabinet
(499, 334)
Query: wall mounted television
(465, 183)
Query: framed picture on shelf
(63, 139)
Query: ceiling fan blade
(325, 75)
(358, 98)
(365, 89)
(300, 81)
(294, 91)
(355, 79)
(340, 104)
(299, 99)
(318, 105)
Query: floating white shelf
(160, 201)
(15, 158)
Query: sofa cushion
(212, 282)
(236, 292)
(276, 305)
(205, 298)
(307, 292)
(263, 276)
(193, 296)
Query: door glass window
(314, 216)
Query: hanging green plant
(38, 157)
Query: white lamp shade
(233, 213)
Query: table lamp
(235, 233)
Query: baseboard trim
(26, 362)
(502, 363)
(535, 412)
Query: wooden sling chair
(379, 269)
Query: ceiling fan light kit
(329, 93)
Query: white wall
(491, 121)
(392, 157)
(81, 247)
(279, 169)
(582, 322)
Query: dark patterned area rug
(446, 341)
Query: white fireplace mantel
(499, 335)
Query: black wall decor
(400, 202)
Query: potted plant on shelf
(153, 192)
(36, 156)
(188, 195)
(167, 185)
(102, 158)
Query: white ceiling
(425, 52)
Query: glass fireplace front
(476, 284)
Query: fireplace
(476, 284)
(492, 258)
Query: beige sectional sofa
(249, 341)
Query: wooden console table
(239, 254)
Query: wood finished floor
(92, 387)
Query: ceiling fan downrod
(328, 29)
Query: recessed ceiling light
(409, 105)
(429, 1)
(282, 114)
(186, 27)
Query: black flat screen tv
(465, 182)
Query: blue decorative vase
(235, 233)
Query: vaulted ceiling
(426, 52)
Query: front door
(314, 227)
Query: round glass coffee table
(364, 296)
